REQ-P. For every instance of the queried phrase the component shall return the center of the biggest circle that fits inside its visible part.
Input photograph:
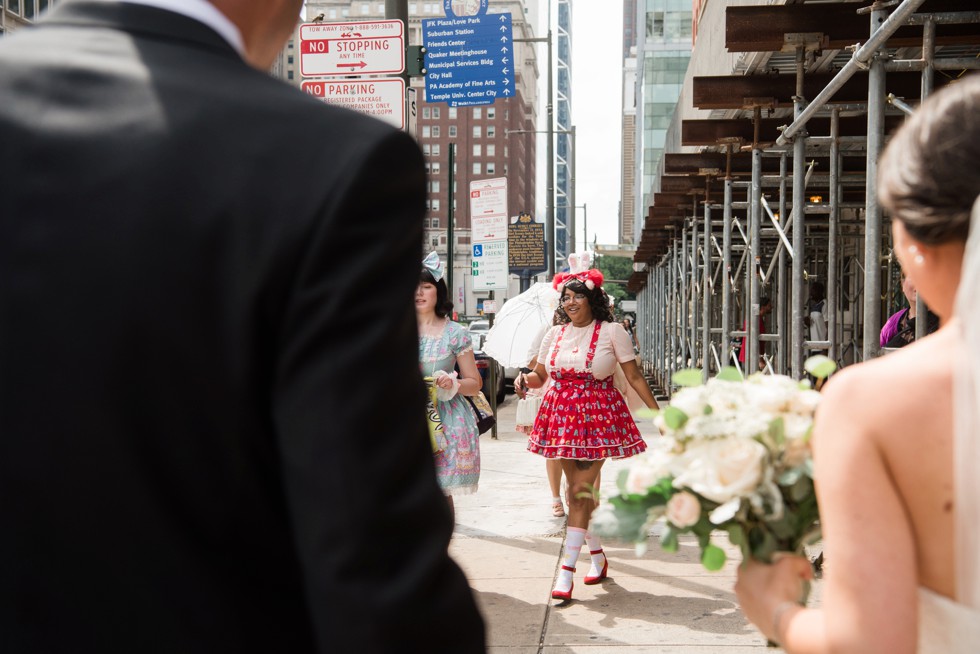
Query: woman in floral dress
(444, 345)
(583, 419)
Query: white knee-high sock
(595, 549)
(574, 538)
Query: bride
(897, 439)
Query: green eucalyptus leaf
(687, 377)
(736, 535)
(621, 478)
(820, 366)
(708, 410)
(669, 540)
(802, 489)
(790, 477)
(729, 373)
(762, 543)
(713, 558)
(674, 417)
(777, 430)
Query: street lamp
(550, 219)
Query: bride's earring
(916, 255)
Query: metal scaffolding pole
(799, 214)
(928, 74)
(872, 211)
(726, 277)
(755, 249)
(782, 359)
(695, 309)
(832, 290)
(705, 295)
(684, 294)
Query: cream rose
(647, 469)
(721, 469)
(683, 510)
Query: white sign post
(490, 268)
(488, 209)
(365, 48)
(382, 98)
(488, 222)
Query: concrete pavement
(510, 548)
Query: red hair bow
(591, 278)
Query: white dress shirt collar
(204, 12)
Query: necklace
(578, 333)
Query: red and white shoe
(594, 579)
(563, 595)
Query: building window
(452, 131)
(333, 13)
(491, 131)
(491, 150)
(413, 8)
(436, 131)
(452, 113)
(491, 169)
(289, 74)
(477, 131)
(477, 150)
(491, 112)
(427, 167)
(289, 59)
(425, 149)
(477, 112)
(477, 169)
(435, 149)
(435, 205)
(434, 186)
(426, 131)
(436, 168)
(435, 112)
(365, 9)
(426, 112)
(426, 223)
(435, 224)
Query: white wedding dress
(949, 626)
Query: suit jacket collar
(139, 19)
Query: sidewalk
(510, 548)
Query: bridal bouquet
(735, 458)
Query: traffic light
(415, 60)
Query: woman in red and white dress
(583, 419)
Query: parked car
(483, 365)
(480, 328)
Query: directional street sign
(382, 98)
(364, 48)
(469, 60)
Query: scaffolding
(775, 205)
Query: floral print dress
(458, 465)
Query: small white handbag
(527, 409)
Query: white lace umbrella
(518, 323)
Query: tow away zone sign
(365, 48)
(382, 98)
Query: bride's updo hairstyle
(929, 175)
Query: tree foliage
(616, 268)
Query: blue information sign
(468, 60)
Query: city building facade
(489, 141)
(18, 13)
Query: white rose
(647, 469)
(721, 469)
(690, 401)
(805, 402)
(683, 510)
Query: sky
(597, 67)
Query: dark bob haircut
(443, 306)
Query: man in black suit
(212, 432)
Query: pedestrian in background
(899, 329)
(203, 274)
(583, 418)
(444, 345)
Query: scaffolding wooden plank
(747, 91)
(763, 28)
(713, 132)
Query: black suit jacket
(212, 432)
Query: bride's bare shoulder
(913, 375)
